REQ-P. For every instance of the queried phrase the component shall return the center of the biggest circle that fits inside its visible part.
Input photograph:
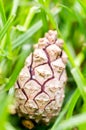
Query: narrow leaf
(30, 32)
(6, 26)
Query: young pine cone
(39, 89)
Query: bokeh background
(22, 23)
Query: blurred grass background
(22, 23)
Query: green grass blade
(30, 16)
(2, 12)
(6, 26)
(51, 18)
(30, 32)
(72, 104)
(75, 95)
(80, 81)
(15, 6)
(79, 59)
(44, 20)
(43, 17)
(4, 101)
(71, 59)
(72, 122)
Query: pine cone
(39, 90)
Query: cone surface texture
(39, 90)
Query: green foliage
(22, 23)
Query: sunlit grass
(22, 23)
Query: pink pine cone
(39, 89)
